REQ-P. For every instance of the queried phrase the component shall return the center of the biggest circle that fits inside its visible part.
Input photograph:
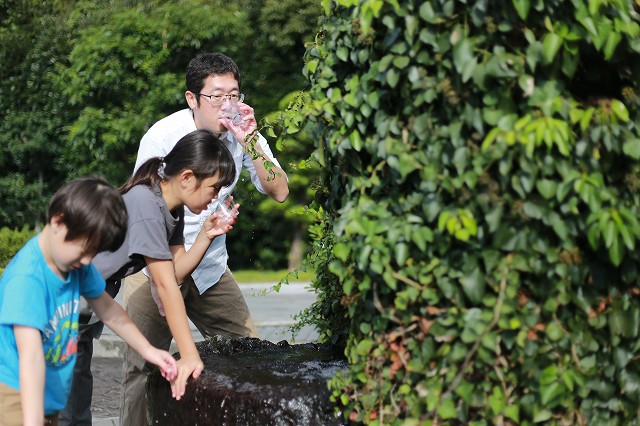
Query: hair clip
(161, 168)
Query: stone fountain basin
(249, 381)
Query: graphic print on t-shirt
(60, 338)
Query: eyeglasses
(219, 99)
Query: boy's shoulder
(26, 262)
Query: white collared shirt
(157, 142)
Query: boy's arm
(32, 373)
(112, 314)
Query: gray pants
(219, 310)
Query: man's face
(206, 115)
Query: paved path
(272, 312)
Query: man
(212, 297)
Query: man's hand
(246, 127)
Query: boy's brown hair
(92, 209)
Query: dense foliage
(32, 113)
(480, 200)
(11, 241)
(81, 81)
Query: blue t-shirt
(31, 294)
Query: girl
(190, 175)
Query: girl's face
(197, 198)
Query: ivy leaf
(512, 412)
(474, 286)
(447, 409)
(620, 110)
(465, 391)
(623, 322)
(402, 253)
(547, 188)
(427, 13)
(632, 148)
(522, 8)
(541, 415)
(312, 65)
(421, 126)
(401, 62)
(462, 53)
(496, 401)
(533, 210)
(616, 251)
(610, 45)
(392, 77)
(341, 251)
(549, 393)
(364, 347)
(342, 53)
(551, 43)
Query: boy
(40, 297)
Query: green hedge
(480, 204)
(12, 240)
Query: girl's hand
(248, 126)
(188, 366)
(219, 223)
(164, 361)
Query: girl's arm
(117, 320)
(163, 274)
(32, 374)
(186, 261)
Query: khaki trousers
(219, 310)
(11, 408)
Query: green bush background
(477, 249)
(81, 82)
(12, 240)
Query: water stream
(252, 382)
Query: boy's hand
(188, 366)
(163, 359)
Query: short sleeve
(177, 238)
(149, 238)
(24, 291)
(147, 233)
(92, 284)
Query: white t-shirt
(157, 142)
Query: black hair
(205, 65)
(199, 151)
(92, 209)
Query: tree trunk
(295, 253)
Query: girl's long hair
(199, 151)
